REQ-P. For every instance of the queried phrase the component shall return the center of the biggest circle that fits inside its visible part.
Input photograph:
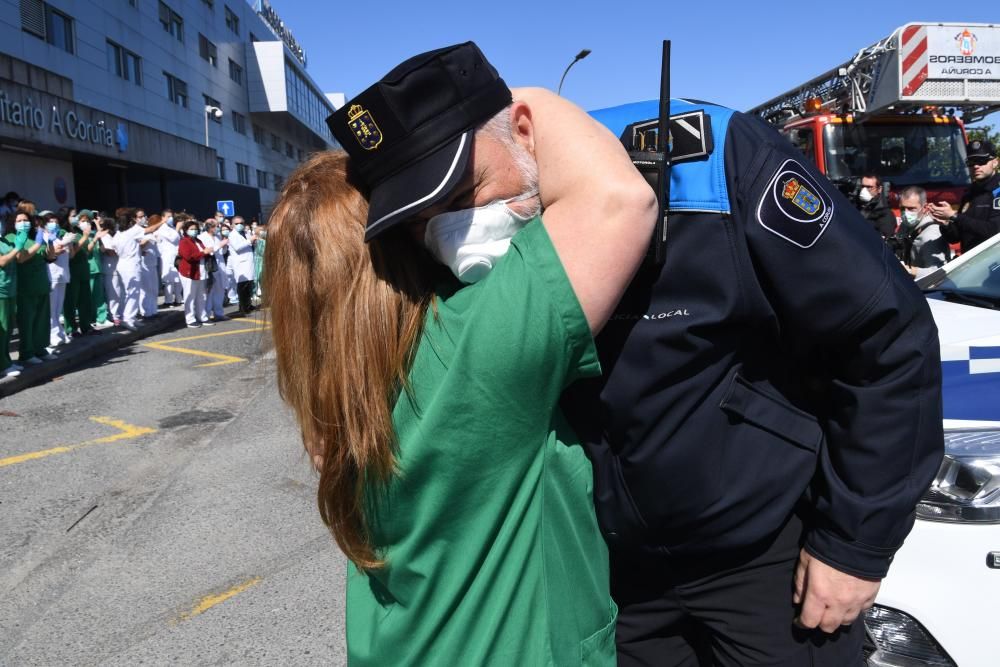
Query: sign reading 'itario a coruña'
(52, 119)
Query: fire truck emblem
(801, 196)
(363, 125)
(966, 41)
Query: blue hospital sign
(226, 207)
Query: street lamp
(213, 112)
(580, 56)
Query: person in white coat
(55, 234)
(241, 262)
(127, 244)
(149, 267)
(167, 240)
(231, 296)
(215, 285)
(114, 290)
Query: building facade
(154, 103)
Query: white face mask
(865, 195)
(469, 242)
(909, 218)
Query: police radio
(648, 145)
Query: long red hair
(346, 317)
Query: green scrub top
(494, 555)
(8, 272)
(94, 257)
(33, 275)
(79, 264)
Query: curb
(82, 350)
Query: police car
(935, 607)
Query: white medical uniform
(58, 279)
(215, 294)
(149, 277)
(129, 267)
(114, 290)
(167, 240)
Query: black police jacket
(978, 215)
(780, 354)
(880, 217)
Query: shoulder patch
(690, 136)
(996, 203)
(794, 207)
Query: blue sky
(734, 53)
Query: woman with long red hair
(428, 398)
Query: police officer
(978, 216)
(769, 412)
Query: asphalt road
(156, 508)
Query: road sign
(226, 207)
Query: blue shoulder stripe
(698, 185)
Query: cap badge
(363, 125)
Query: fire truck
(891, 109)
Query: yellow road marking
(127, 432)
(210, 601)
(221, 359)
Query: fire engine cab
(891, 109)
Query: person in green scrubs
(259, 248)
(99, 301)
(78, 308)
(11, 247)
(424, 337)
(32, 290)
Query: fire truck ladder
(852, 87)
(844, 89)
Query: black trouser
(244, 290)
(734, 609)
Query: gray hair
(499, 129)
(914, 190)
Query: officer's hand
(830, 598)
(940, 211)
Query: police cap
(409, 136)
(980, 149)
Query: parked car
(935, 607)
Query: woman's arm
(9, 257)
(28, 252)
(599, 211)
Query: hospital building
(154, 103)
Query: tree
(984, 133)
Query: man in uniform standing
(978, 216)
(767, 419)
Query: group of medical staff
(73, 272)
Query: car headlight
(895, 639)
(967, 486)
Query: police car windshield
(904, 153)
(977, 278)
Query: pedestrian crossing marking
(126, 432)
(210, 601)
(220, 359)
